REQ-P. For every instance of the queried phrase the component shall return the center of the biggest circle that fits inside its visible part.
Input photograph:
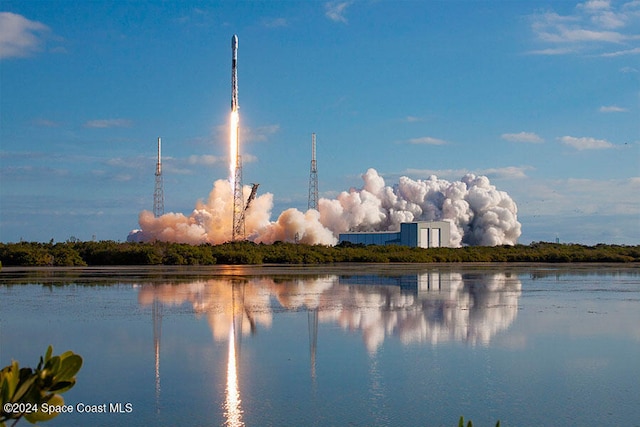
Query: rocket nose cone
(234, 41)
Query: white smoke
(478, 212)
(210, 221)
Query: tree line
(93, 253)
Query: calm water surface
(361, 345)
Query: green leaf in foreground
(43, 385)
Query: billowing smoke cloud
(479, 214)
(210, 221)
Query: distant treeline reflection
(94, 253)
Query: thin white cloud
(507, 172)
(79, 167)
(628, 70)
(529, 137)
(610, 20)
(634, 51)
(196, 17)
(58, 49)
(259, 134)
(595, 5)
(128, 162)
(336, 10)
(440, 173)
(566, 35)
(119, 161)
(19, 37)
(249, 158)
(108, 123)
(427, 140)
(205, 160)
(177, 168)
(46, 123)
(21, 155)
(247, 134)
(189, 165)
(412, 119)
(275, 22)
(553, 51)
(612, 109)
(586, 143)
(601, 14)
(573, 196)
(122, 177)
(593, 27)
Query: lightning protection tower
(313, 176)
(158, 194)
(238, 202)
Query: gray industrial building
(420, 234)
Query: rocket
(234, 73)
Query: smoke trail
(478, 212)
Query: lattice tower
(313, 176)
(158, 193)
(238, 202)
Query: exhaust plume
(479, 214)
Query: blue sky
(543, 97)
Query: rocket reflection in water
(233, 410)
(232, 404)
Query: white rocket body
(234, 73)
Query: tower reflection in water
(432, 307)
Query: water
(356, 345)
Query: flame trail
(234, 125)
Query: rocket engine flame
(479, 214)
(234, 126)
